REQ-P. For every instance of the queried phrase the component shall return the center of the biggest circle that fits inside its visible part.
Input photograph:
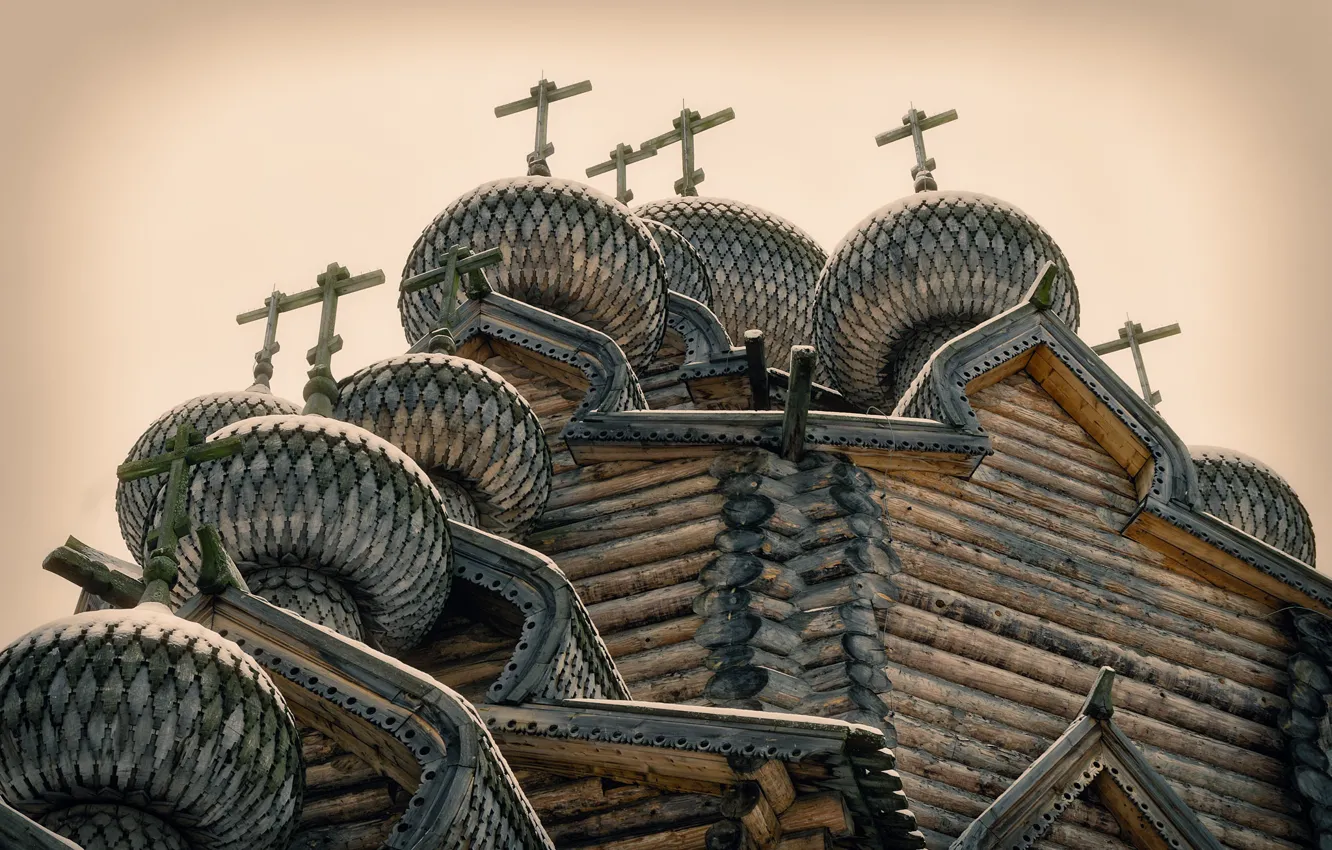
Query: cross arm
(904, 132)
(695, 126)
(314, 296)
(465, 264)
(552, 94)
(102, 575)
(1148, 336)
(215, 450)
(631, 156)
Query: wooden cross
(321, 390)
(263, 358)
(543, 94)
(688, 125)
(187, 449)
(458, 261)
(1132, 336)
(915, 125)
(620, 157)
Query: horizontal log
(1010, 436)
(583, 475)
(673, 688)
(661, 661)
(669, 489)
(358, 804)
(642, 578)
(571, 799)
(362, 835)
(1062, 490)
(656, 545)
(658, 813)
(643, 638)
(642, 608)
(611, 527)
(681, 838)
(825, 810)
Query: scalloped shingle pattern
(112, 827)
(141, 708)
(929, 261)
(136, 501)
(324, 495)
(1251, 496)
(565, 247)
(686, 271)
(456, 417)
(764, 269)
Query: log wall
(348, 805)
(1016, 586)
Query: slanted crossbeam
(458, 261)
(321, 390)
(188, 448)
(915, 123)
(622, 156)
(1132, 336)
(543, 94)
(688, 125)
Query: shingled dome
(133, 728)
(918, 272)
(1251, 496)
(136, 501)
(764, 268)
(330, 521)
(463, 424)
(686, 271)
(565, 247)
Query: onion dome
(136, 501)
(1251, 496)
(329, 521)
(468, 428)
(565, 247)
(133, 728)
(917, 273)
(686, 271)
(764, 269)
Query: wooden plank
(658, 544)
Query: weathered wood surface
(1017, 584)
(348, 804)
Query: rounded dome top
(1251, 496)
(918, 272)
(686, 271)
(135, 721)
(461, 421)
(565, 247)
(764, 269)
(136, 501)
(308, 494)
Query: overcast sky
(164, 165)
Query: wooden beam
(796, 414)
(759, 397)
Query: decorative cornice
(559, 653)
(708, 349)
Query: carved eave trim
(19, 831)
(1092, 751)
(553, 345)
(560, 655)
(723, 746)
(1029, 337)
(708, 348)
(423, 735)
(875, 442)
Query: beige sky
(163, 165)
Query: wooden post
(798, 389)
(759, 398)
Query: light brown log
(669, 489)
(656, 545)
(362, 835)
(652, 606)
(659, 813)
(1063, 489)
(826, 809)
(644, 638)
(583, 475)
(639, 579)
(814, 839)
(775, 781)
(363, 803)
(681, 838)
(673, 688)
(1008, 435)
(610, 527)
(662, 661)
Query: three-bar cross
(187, 449)
(458, 261)
(321, 391)
(543, 94)
(688, 125)
(915, 123)
(1132, 336)
(620, 157)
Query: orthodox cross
(187, 449)
(543, 94)
(263, 358)
(1132, 336)
(321, 390)
(620, 157)
(458, 261)
(688, 125)
(915, 124)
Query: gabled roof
(1093, 754)
(1170, 514)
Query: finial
(620, 157)
(263, 358)
(688, 125)
(543, 94)
(1099, 704)
(1132, 336)
(321, 391)
(915, 124)
(458, 261)
(187, 449)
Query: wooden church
(672, 531)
